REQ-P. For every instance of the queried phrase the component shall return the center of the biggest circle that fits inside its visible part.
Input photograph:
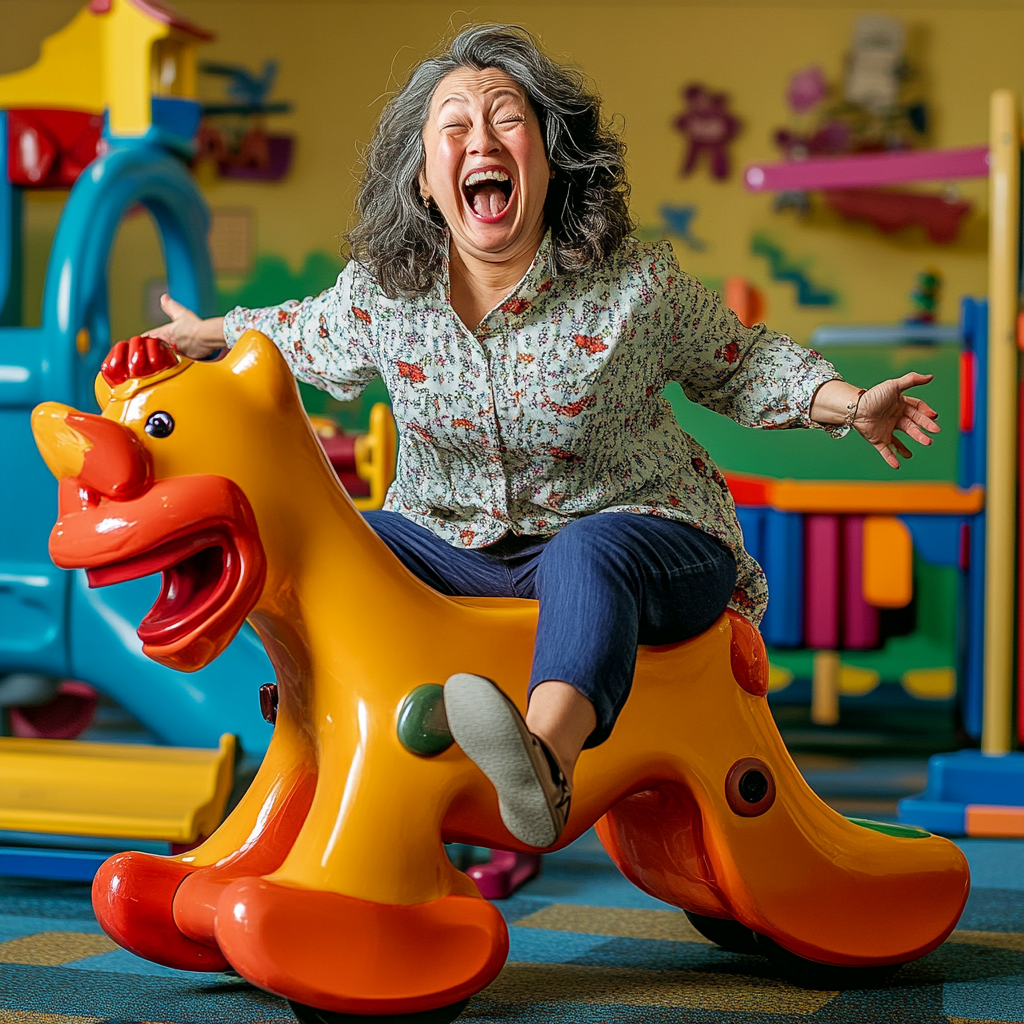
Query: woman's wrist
(206, 337)
(211, 332)
(836, 403)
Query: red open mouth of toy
(199, 533)
(199, 571)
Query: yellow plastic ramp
(115, 790)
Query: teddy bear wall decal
(709, 127)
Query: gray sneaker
(533, 795)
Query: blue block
(60, 865)
(974, 324)
(176, 116)
(972, 630)
(783, 564)
(752, 524)
(943, 817)
(971, 777)
(936, 538)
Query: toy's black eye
(160, 424)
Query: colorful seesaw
(328, 883)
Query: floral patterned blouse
(552, 408)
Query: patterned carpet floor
(585, 946)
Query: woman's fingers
(174, 309)
(923, 408)
(163, 332)
(912, 380)
(895, 448)
(888, 454)
(909, 427)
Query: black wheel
(810, 974)
(442, 1015)
(727, 933)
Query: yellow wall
(339, 59)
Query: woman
(525, 339)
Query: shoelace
(558, 778)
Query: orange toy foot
(195, 901)
(132, 895)
(352, 956)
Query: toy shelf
(868, 170)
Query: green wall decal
(784, 268)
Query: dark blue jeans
(605, 584)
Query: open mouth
(488, 193)
(200, 572)
(199, 532)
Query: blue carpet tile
(586, 946)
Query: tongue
(488, 200)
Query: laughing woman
(526, 339)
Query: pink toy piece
(807, 89)
(860, 619)
(504, 873)
(868, 170)
(65, 717)
(341, 453)
(821, 623)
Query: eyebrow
(502, 91)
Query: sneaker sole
(488, 731)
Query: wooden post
(825, 688)
(1001, 489)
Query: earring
(551, 174)
(426, 201)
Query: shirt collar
(543, 268)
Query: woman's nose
(483, 139)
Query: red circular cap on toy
(139, 357)
(750, 787)
(747, 656)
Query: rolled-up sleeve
(752, 375)
(317, 337)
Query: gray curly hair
(403, 244)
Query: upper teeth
(477, 176)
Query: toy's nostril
(268, 702)
(422, 722)
(753, 786)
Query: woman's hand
(881, 411)
(885, 409)
(191, 336)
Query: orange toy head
(140, 495)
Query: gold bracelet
(852, 408)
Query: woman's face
(485, 164)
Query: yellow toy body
(328, 883)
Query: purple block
(860, 619)
(821, 617)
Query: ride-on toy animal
(329, 883)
